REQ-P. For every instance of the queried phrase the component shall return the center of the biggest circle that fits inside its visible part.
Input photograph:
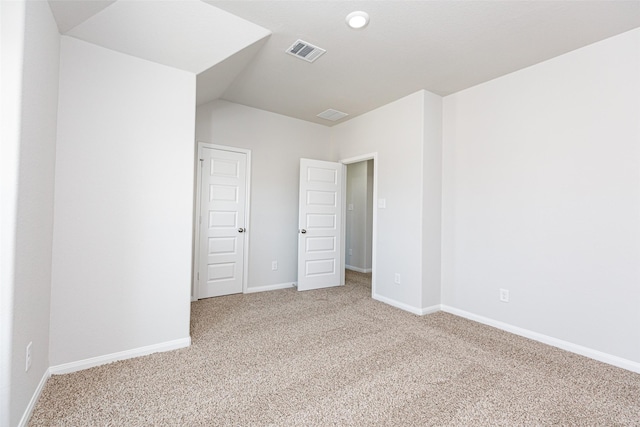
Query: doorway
(360, 217)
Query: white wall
(12, 26)
(123, 205)
(395, 132)
(542, 197)
(33, 232)
(277, 143)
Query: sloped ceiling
(213, 82)
(440, 46)
(69, 13)
(187, 34)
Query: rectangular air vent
(332, 115)
(306, 51)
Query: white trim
(195, 285)
(196, 250)
(374, 232)
(406, 307)
(358, 159)
(343, 225)
(430, 310)
(358, 269)
(555, 342)
(275, 287)
(67, 368)
(34, 399)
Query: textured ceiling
(440, 46)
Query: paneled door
(320, 225)
(223, 231)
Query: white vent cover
(332, 115)
(304, 50)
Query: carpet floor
(337, 357)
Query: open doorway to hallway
(359, 222)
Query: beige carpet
(337, 357)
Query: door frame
(374, 233)
(245, 253)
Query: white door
(320, 244)
(222, 222)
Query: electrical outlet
(28, 361)
(504, 295)
(274, 265)
(396, 279)
(350, 251)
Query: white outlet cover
(382, 203)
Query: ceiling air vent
(306, 51)
(332, 115)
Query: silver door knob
(303, 231)
(241, 230)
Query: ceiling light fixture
(357, 20)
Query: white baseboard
(407, 307)
(122, 355)
(275, 287)
(429, 310)
(555, 342)
(34, 399)
(358, 269)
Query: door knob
(241, 230)
(303, 231)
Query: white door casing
(320, 220)
(222, 222)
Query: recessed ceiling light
(357, 20)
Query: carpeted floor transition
(337, 357)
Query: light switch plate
(382, 203)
